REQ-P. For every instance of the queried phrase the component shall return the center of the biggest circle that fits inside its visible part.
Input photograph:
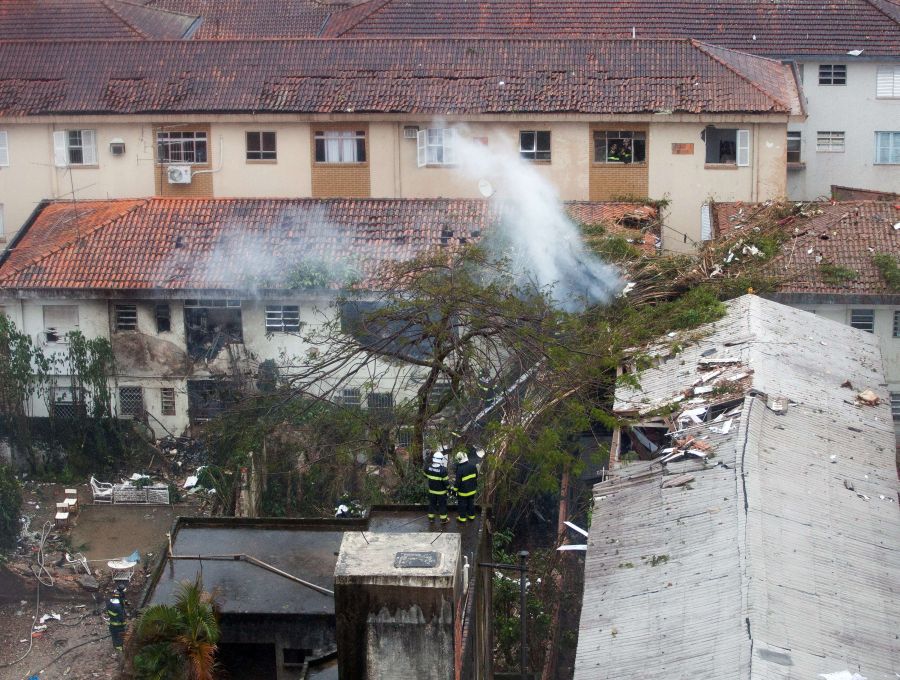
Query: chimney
(398, 600)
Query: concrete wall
(854, 109)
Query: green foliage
(615, 249)
(10, 507)
(836, 275)
(91, 363)
(176, 641)
(311, 274)
(889, 270)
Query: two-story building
(599, 119)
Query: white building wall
(854, 109)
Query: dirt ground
(101, 532)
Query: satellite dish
(485, 188)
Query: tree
(10, 507)
(178, 641)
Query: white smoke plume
(546, 245)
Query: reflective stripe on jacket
(466, 479)
(437, 479)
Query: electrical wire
(37, 606)
(42, 569)
(66, 651)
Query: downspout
(398, 164)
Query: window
(863, 319)
(126, 317)
(131, 402)
(534, 145)
(887, 148)
(74, 147)
(181, 147)
(167, 400)
(726, 146)
(706, 222)
(830, 141)
(340, 146)
(380, 403)
(282, 318)
(4, 149)
(620, 146)
(261, 146)
(793, 146)
(434, 146)
(350, 396)
(63, 403)
(59, 320)
(897, 324)
(832, 74)
(887, 82)
(895, 405)
(163, 318)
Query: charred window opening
(163, 318)
(380, 332)
(210, 325)
(209, 398)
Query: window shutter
(4, 149)
(705, 222)
(89, 144)
(887, 82)
(420, 148)
(60, 150)
(743, 147)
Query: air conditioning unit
(409, 131)
(179, 174)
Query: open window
(620, 146)
(727, 146)
(59, 321)
(210, 325)
(436, 146)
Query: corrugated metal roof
(766, 565)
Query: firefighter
(116, 613)
(466, 487)
(437, 477)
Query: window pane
(639, 154)
(268, 141)
(361, 149)
(863, 319)
(252, 141)
(526, 141)
(320, 150)
(163, 318)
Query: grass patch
(887, 267)
(835, 275)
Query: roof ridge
(139, 202)
(162, 10)
(877, 4)
(702, 46)
(135, 29)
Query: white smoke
(546, 246)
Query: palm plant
(177, 641)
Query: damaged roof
(777, 553)
(91, 19)
(234, 244)
(783, 28)
(424, 77)
(830, 249)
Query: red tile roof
(773, 28)
(221, 19)
(845, 235)
(231, 244)
(88, 20)
(427, 77)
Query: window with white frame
(59, 321)
(282, 318)
(897, 323)
(181, 147)
(794, 141)
(832, 74)
(534, 145)
(887, 148)
(620, 146)
(895, 405)
(340, 146)
(887, 82)
(131, 402)
(435, 146)
(4, 149)
(727, 146)
(126, 317)
(830, 141)
(74, 147)
(167, 401)
(863, 319)
(706, 220)
(261, 146)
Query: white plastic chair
(102, 491)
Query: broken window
(793, 146)
(727, 146)
(832, 74)
(59, 321)
(435, 146)
(131, 402)
(126, 317)
(210, 325)
(163, 318)
(340, 146)
(209, 398)
(282, 318)
(534, 145)
(167, 400)
(863, 319)
(620, 146)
